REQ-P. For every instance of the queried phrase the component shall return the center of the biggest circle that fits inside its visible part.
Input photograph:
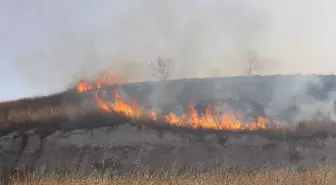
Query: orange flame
(217, 121)
(83, 86)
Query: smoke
(83, 38)
(59, 42)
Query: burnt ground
(113, 143)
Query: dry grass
(50, 112)
(322, 176)
(68, 104)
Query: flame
(217, 121)
(83, 86)
(111, 79)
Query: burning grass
(220, 120)
(321, 176)
(91, 97)
(88, 98)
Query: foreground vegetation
(322, 176)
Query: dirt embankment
(124, 148)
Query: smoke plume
(70, 40)
(54, 44)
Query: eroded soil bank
(126, 147)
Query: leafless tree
(252, 63)
(161, 68)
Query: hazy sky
(45, 46)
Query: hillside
(71, 131)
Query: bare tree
(161, 68)
(252, 63)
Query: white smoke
(74, 39)
(54, 43)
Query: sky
(46, 46)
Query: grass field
(322, 176)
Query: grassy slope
(69, 103)
(49, 112)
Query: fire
(83, 86)
(210, 120)
(111, 79)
